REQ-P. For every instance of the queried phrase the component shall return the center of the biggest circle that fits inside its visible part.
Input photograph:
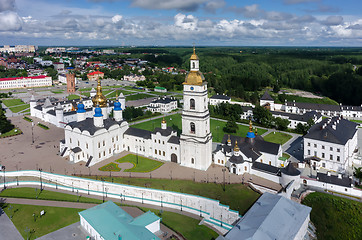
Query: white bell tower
(196, 138)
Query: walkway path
(7, 229)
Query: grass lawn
(13, 132)
(175, 122)
(33, 193)
(12, 102)
(57, 91)
(110, 167)
(278, 137)
(335, 217)
(19, 108)
(286, 155)
(138, 96)
(87, 94)
(73, 96)
(117, 92)
(237, 196)
(140, 164)
(356, 121)
(187, 226)
(54, 218)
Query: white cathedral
(96, 137)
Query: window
(322, 146)
(155, 151)
(109, 151)
(322, 155)
(78, 143)
(104, 143)
(192, 161)
(308, 152)
(159, 141)
(245, 168)
(315, 153)
(163, 142)
(338, 150)
(159, 152)
(70, 140)
(86, 145)
(338, 159)
(331, 148)
(331, 157)
(315, 145)
(155, 141)
(112, 139)
(269, 162)
(308, 144)
(99, 155)
(323, 165)
(218, 161)
(193, 64)
(99, 144)
(192, 104)
(192, 127)
(163, 153)
(261, 160)
(104, 153)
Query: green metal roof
(145, 219)
(111, 221)
(161, 88)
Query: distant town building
(108, 51)
(134, 78)
(18, 49)
(25, 82)
(267, 101)
(217, 99)
(163, 105)
(160, 89)
(59, 67)
(295, 119)
(94, 76)
(70, 82)
(55, 50)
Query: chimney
(340, 175)
(328, 173)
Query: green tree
(358, 174)
(5, 124)
(263, 116)
(281, 123)
(231, 127)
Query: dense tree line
(226, 111)
(5, 124)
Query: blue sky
(182, 22)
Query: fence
(215, 214)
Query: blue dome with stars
(117, 106)
(80, 107)
(98, 112)
(250, 135)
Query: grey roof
(164, 100)
(220, 97)
(271, 217)
(76, 149)
(333, 179)
(88, 125)
(351, 108)
(266, 96)
(315, 106)
(324, 131)
(290, 170)
(174, 140)
(236, 159)
(251, 148)
(246, 108)
(164, 132)
(265, 168)
(297, 117)
(138, 133)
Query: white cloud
(7, 5)
(116, 18)
(214, 5)
(333, 20)
(10, 21)
(186, 5)
(185, 22)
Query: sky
(181, 22)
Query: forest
(240, 71)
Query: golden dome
(163, 120)
(236, 147)
(194, 56)
(194, 78)
(229, 140)
(99, 99)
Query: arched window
(192, 127)
(193, 65)
(192, 104)
(192, 161)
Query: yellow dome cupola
(194, 77)
(99, 99)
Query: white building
(217, 99)
(160, 89)
(331, 144)
(267, 101)
(108, 221)
(134, 78)
(272, 217)
(244, 155)
(163, 105)
(17, 49)
(95, 139)
(25, 82)
(295, 119)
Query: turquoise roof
(111, 221)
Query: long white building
(25, 82)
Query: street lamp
(41, 182)
(223, 173)
(3, 168)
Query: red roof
(16, 78)
(96, 72)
